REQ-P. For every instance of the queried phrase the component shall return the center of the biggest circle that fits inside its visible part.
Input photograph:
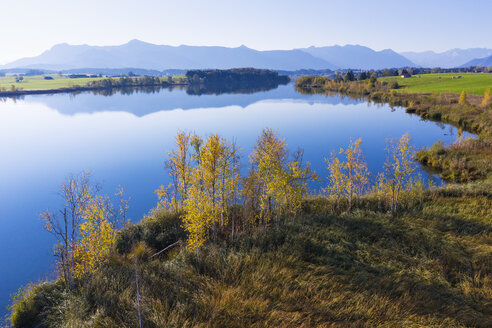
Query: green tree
(349, 76)
(373, 78)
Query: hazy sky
(28, 27)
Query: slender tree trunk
(138, 295)
(233, 225)
(396, 200)
(197, 255)
(350, 199)
(66, 255)
(393, 205)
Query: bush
(158, 231)
(31, 301)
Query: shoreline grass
(468, 161)
(429, 267)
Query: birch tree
(399, 166)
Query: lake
(123, 138)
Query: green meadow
(472, 83)
(39, 83)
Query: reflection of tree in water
(194, 89)
(101, 92)
(236, 87)
(320, 91)
(127, 90)
(13, 98)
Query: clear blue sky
(32, 26)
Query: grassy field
(39, 83)
(472, 83)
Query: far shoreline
(15, 93)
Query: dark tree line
(127, 82)
(235, 75)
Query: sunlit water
(124, 139)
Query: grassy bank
(430, 267)
(10, 85)
(464, 161)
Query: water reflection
(234, 88)
(124, 138)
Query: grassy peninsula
(45, 84)
(464, 161)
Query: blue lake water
(124, 138)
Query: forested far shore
(236, 75)
(234, 79)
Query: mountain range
(359, 57)
(139, 54)
(447, 59)
(142, 55)
(486, 62)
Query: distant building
(405, 75)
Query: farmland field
(472, 83)
(39, 83)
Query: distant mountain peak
(60, 45)
(137, 41)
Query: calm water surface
(124, 139)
